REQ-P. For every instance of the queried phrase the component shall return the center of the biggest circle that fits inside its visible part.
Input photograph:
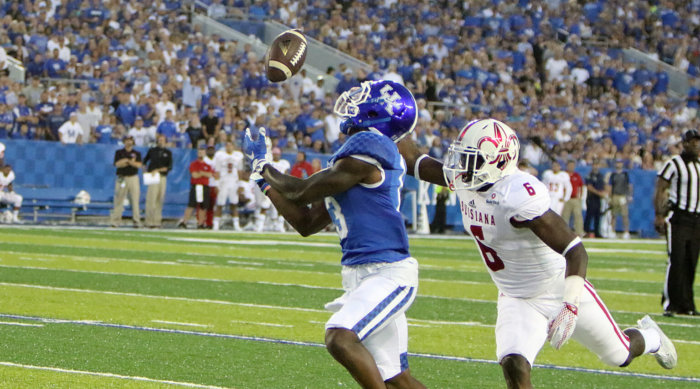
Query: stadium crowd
(99, 70)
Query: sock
(217, 221)
(236, 223)
(15, 214)
(259, 223)
(652, 340)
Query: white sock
(652, 340)
(236, 223)
(259, 223)
(217, 221)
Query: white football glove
(563, 325)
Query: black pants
(683, 238)
(592, 215)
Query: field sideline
(87, 308)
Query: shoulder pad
(372, 145)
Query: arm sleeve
(668, 171)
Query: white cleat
(666, 354)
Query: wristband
(416, 170)
(264, 186)
(571, 245)
(573, 286)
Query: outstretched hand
(562, 326)
(257, 151)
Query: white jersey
(559, 186)
(281, 166)
(70, 132)
(228, 165)
(213, 182)
(519, 262)
(248, 193)
(6, 180)
(142, 136)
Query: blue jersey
(367, 217)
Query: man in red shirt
(200, 173)
(573, 205)
(301, 168)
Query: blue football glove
(257, 150)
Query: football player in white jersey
(283, 166)
(7, 193)
(535, 260)
(228, 163)
(558, 183)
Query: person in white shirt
(228, 163)
(559, 185)
(282, 166)
(142, 135)
(7, 193)
(71, 131)
(164, 105)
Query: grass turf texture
(115, 289)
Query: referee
(677, 206)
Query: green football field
(97, 308)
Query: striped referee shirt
(684, 178)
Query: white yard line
(207, 301)
(255, 242)
(260, 323)
(14, 323)
(109, 375)
(180, 323)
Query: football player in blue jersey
(360, 193)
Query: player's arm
(419, 165)
(661, 204)
(343, 175)
(306, 220)
(555, 233)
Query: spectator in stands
(574, 207)
(301, 168)
(87, 121)
(24, 114)
(194, 131)
(141, 134)
(127, 161)
(595, 183)
(159, 161)
(168, 128)
(71, 131)
(55, 67)
(620, 191)
(7, 193)
(211, 124)
(200, 173)
(126, 111)
(106, 131)
(7, 121)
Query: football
(286, 55)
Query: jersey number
(529, 188)
(337, 216)
(487, 253)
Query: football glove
(563, 325)
(257, 150)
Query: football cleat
(666, 354)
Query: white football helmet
(484, 152)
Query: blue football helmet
(381, 106)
